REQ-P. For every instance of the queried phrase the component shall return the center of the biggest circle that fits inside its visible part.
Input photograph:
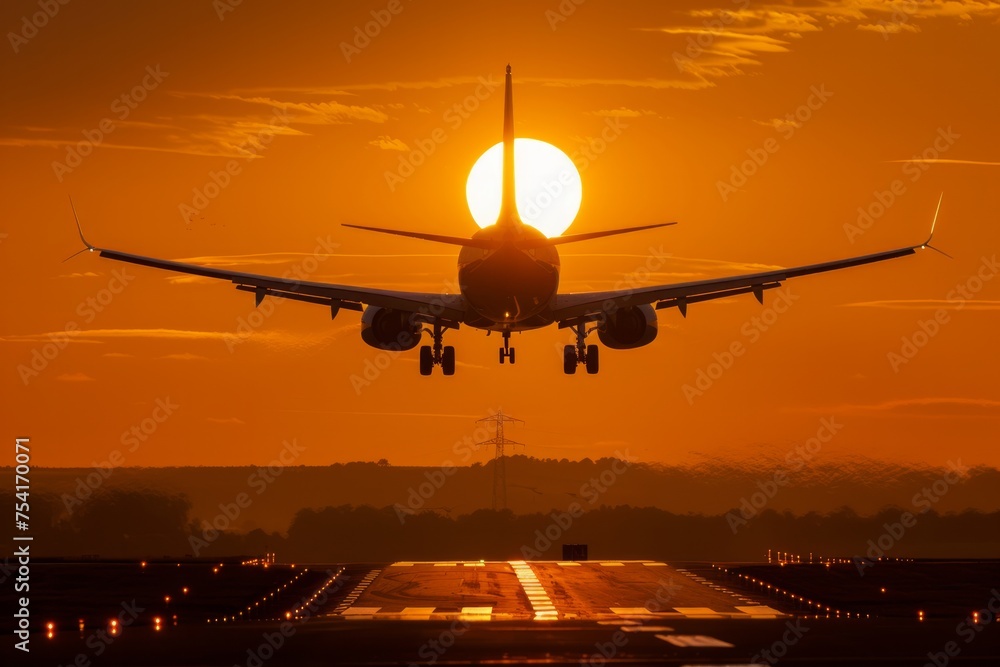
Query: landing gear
(506, 352)
(581, 353)
(438, 355)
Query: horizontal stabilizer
(573, 238)
(437, 238)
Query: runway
(502, 612)
(515, 590)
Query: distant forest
(534, 486)
(150, 525)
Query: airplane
(508, 275)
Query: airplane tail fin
(508, 205)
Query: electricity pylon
(499, 457)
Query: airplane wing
(570, 309)
(450, 307)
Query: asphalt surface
(591, 613)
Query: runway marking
(631, 611)
(760, 611)
(694, 640)
(568, 564)
(445, 564)
(537, 597)
(346, 604)
(635, 627)
(360, 611)
(656, 565)
(418, 611)
(613, 564)
(402, 565)
(699, 612)
(477, 611)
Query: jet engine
(630, 327)
(389, 329)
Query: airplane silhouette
(509, 278)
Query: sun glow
(547, 183)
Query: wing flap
(569, 306)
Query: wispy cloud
(184, 356)
(927, 304)
(235, 421)
(623, 112)
(387, 143)
(924, 407)
(941, 160)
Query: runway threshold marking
(344, 608)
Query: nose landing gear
(581, 353)
(506, 352)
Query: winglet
(79, 230)
(927, 243)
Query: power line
(499, 456)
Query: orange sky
(684, 94)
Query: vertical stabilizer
(508, 205)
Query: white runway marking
(360, 611)
(346, 604)
(760, 611)
(537, 597)
(694, 640)
(699, 612)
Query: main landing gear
(438, 355)
(581, 353)
(506, 352)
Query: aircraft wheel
(511, 355)
(448, 360)
(569, 359)
(503, 356)
(426, 360)
(593, 359)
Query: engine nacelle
(389, 329)
(630, 327)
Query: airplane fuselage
(508, 287)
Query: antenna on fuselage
(508, 202)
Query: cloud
(86, 274)
(387, 143)
(888, 28)
(74, 377)
(942, 160)
(927, 304)
(727, 41)
(184, 356)
(92, 335)
(927, 407)
(779, 123)
(623, 112)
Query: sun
(547, 183)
